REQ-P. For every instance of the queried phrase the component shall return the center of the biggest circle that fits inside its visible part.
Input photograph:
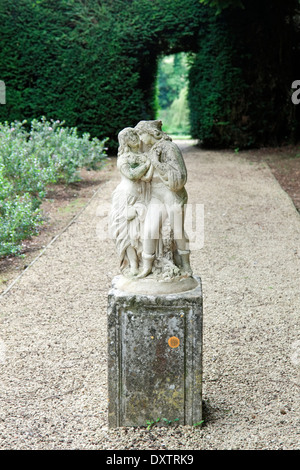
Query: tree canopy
(172, 85)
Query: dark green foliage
(215, 85)
(93, 64)
(241, 77)
(266, 39)
(220, 5)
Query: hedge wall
(240, 93)
(93, 64)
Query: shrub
(18, 219)
(31, 159)
(62, 151)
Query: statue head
(128, 140)
(150, 132)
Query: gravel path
(53, 385)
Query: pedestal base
(154, 357)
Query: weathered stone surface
(152, 286)
(154, 357)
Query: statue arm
(172, 171)
(149, 173)
(134, 173)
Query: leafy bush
(48, 152)
(60, 150)
(18, 219)
(29, 161)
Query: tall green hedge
(216, 84)
(90, 63)
(240, 80)
(93, 64)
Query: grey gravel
(53, 360)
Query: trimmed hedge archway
(93, 64)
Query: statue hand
(131, 213)
(154, 156)
(149, 173)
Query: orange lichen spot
(173, 342)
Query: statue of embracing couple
(147, 216)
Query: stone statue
(147, 216)
(130, 199)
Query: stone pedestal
(154, 357)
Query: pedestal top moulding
(147, 214)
